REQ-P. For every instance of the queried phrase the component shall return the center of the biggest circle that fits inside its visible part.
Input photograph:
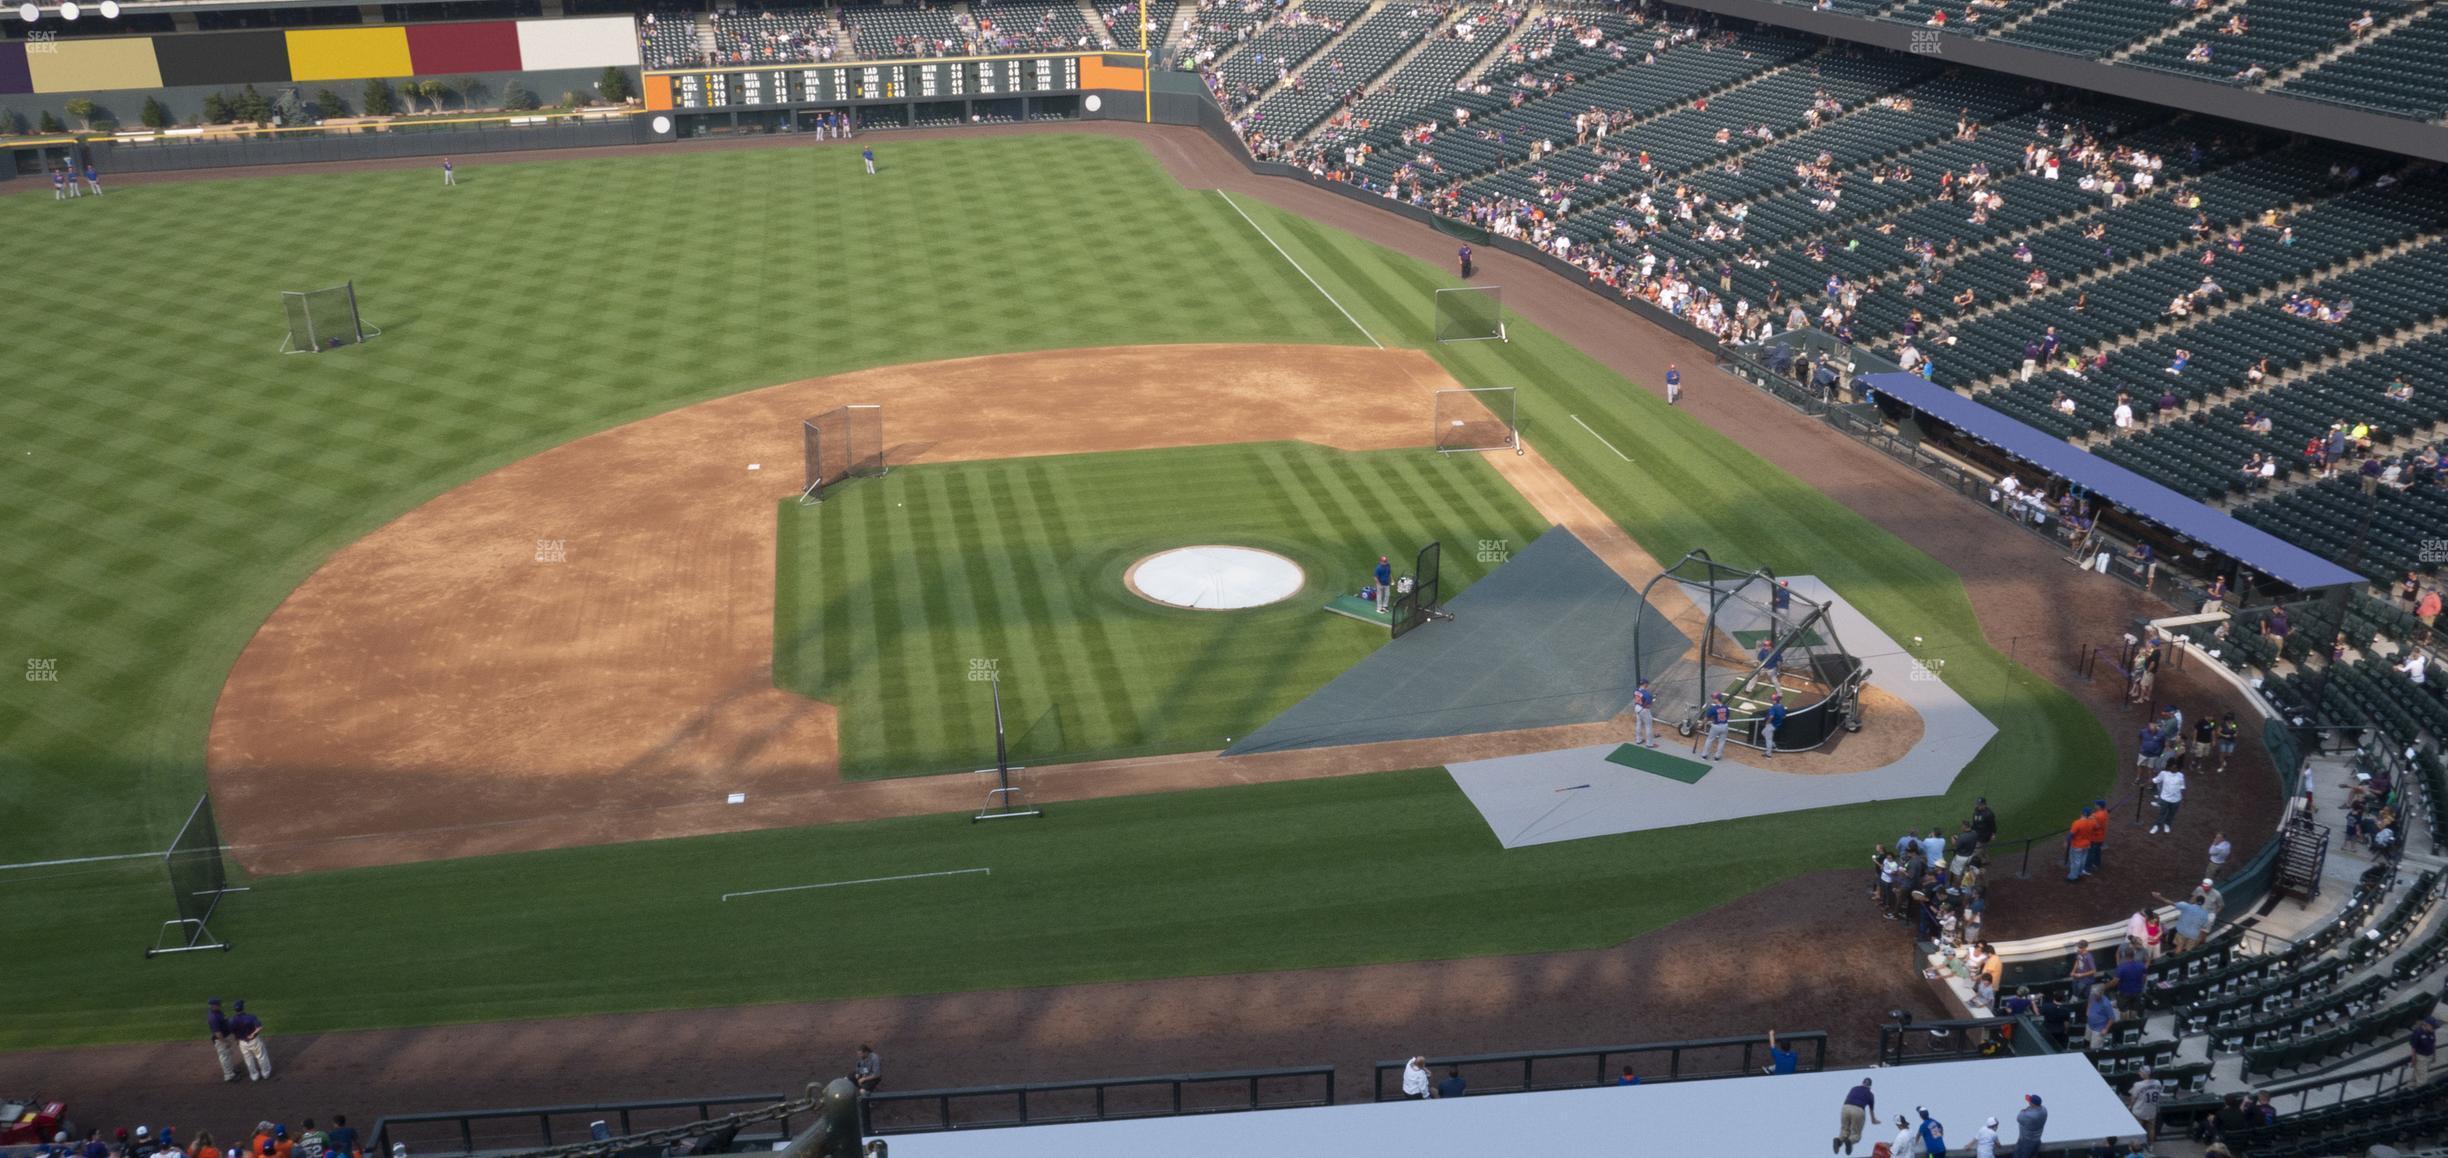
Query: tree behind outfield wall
(252, 107)
(12, 123)
(376, 98)
(516, 98)
(436, 92)
(51, 124)
(329, 103)
(155, 114)
(615, 84)
(82, 109)
(218, 109)
(472, 92)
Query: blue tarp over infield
(2127, 491)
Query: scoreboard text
(893, 80)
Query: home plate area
(1612, 788)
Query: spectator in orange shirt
(2078, 845)
(2100, 819)
(204, 1147)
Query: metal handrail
(1601, 1058)
(2029, 1039)
(544, 1115)
(1100, 1108)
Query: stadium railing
(1684, 1061)
(888, 1112)
(1919, 1042)
(532, 1127)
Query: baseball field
(179, 497)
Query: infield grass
(898, 596)
(169, 479)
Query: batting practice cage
(1754, 638)
(841, 444)
(324, 319)
(1480, 419)
(1471, 314)
(197, 884)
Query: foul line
(84, 860)
(867, 881)
(1296, 268)
(1600, 437)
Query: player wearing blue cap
(1644, 715)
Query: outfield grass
(171, 479)
(893, 592)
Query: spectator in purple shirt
(1859, 1105)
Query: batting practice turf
(899, 597)
(169, 478)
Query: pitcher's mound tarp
(1545, 639)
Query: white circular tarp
(1213, 578)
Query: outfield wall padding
(321, 54)
(490, 46)
(314, 55)
(14, 78)
(87, 64)
(592, 42)
(233, 59)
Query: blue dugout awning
(2132, 493)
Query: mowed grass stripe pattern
(910, 591)
(166, 478)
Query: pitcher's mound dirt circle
(1210, 577)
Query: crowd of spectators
(1937, 883)
(819, 35)
(266, 1140)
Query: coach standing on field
(224, 1043)
(1465, 255)
(1385, 583)
(248, 1029)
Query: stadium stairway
(1496, 53)
(1424, 73)
(2244, 393)
(2228, 303)
(2078, 282)
(1863, 98)
(1619, 138)
(2216, 12)
(2020, 19)
(2381, 30)
(2240, 302)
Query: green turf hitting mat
(1658, 763)
(1361, 609)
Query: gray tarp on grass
(1544, 639)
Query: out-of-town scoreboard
(883, 80)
